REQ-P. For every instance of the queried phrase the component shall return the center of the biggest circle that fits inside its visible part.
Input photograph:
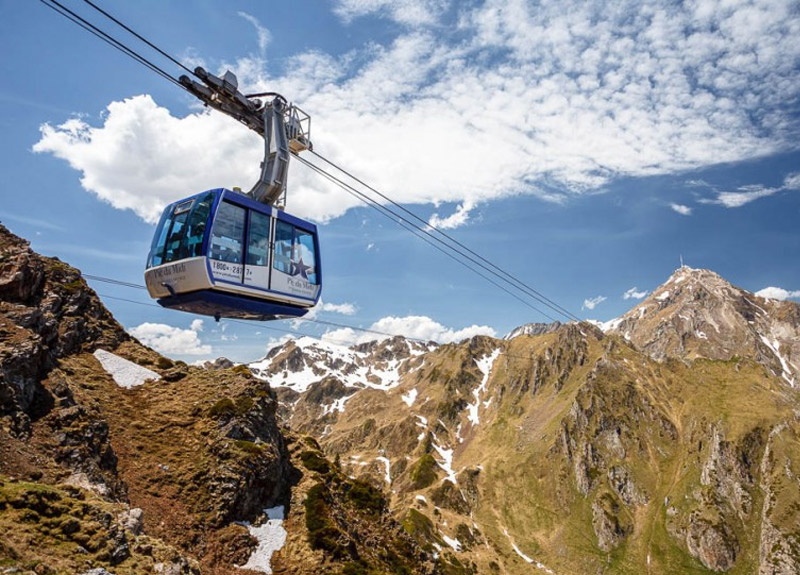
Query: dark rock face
(713, 545)
(607, 523)
(46, 312)
(243, 491)
(60, 413)
(219, 363)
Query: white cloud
(778, 293)
(172, 340)
(414, 327)
(552, 101)
(681, 209)
(746, 194)
(592, 303)
(792, 182)
(410, 12)
(264, 35)
(163, 154)
(632, 293)
(454, 220)
(342, 308)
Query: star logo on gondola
(300, 269)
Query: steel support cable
(417, 231)
(509, 278)
(116, 282)
(141, 59)
(297, 332)
(107, 38)
(259, 326)
(112, 281)
(139, 36)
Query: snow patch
(610, 325)
(662, 296)
(271, 537)
(387, 474)
(421, 498)
(447, 461)
(454, 543)
(756, 305)
(125, 373)
(337, 405)
(485, 366)
(701, 334)
(524, 557)
(409, 397)
(775, 347)
(357, 368)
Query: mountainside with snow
(670, 443)
(300, 363)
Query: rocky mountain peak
(298, 364)
(533, 329)
(696, 313)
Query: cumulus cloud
(342, 308)
(552, 100)
(172, 340)
(413, 327)
(454, 220)
(681, 209)
(592, 303)
(778, 293)
(633, 294)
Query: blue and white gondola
(222, 254)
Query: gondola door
(226, 246)
(256, 269)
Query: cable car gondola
(224, 253)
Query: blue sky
(583, 146)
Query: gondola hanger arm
(286, 129)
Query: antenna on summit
(681, 255)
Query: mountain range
(664, 441)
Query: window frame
(242, 240)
